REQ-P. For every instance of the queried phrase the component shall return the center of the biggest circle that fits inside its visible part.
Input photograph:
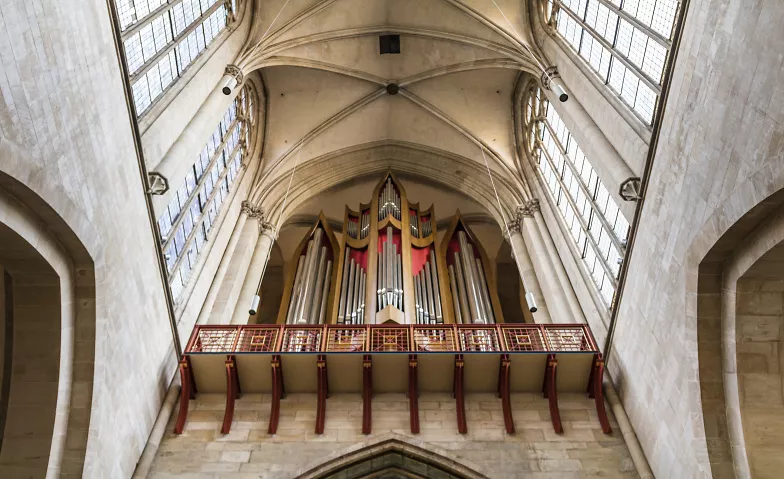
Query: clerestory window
(594, 221)
(627, 44)
(161, 39)
(186, 223)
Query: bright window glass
(591, 216)
(162, 38)
(625, 42)
(186, 223)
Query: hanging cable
(258, 44)
(557, 88)
(257, 297)
(529, 297)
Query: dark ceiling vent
(389, 44)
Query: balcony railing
(500, 338)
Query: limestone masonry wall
(534, 451)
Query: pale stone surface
(720, 154)
(533, 451)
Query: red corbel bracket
(232, 392)
(277, 393)
(596, 392)
(367, 393)
(187, 393)
(505, 393)
(323, 392)
(459, 394)
(413, 393)
(551, 393)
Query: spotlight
(254, 305)
(559, 90)
(529, 299)
(229, 84)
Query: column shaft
(531, 282)
(253, 277)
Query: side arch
(741, 231)
(46, 234)
(390, 452)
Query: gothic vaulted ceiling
(330, 112)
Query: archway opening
(30, 311)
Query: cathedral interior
(349, 239)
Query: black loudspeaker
(389, 44)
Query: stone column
(609, 166)
(526, 268)
(254, 272)
(541, 259)
(234, 265)
(185, 150)
(569, 298)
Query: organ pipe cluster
(361, 228)
(351, 308)
(390, 274)
(467, 279)
(428, 295)
(420, 229)
(311, 284)
(388, 201)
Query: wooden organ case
(389, 268)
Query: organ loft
(391, 239)
(389, 305)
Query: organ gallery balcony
(365, 359)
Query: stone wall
(720, 153)
(760, 324)
(534, 451)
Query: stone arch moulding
(426, 455)
(30, 216)
(319, 174)
(740, 231)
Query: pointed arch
(391, 452)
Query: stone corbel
(523, 210)
(235, 72)
(548, 74)
(631, 189)
(158, 184)
(258, 212)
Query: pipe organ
(389, 268)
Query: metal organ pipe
(311, 283)
(473, 299)
(455, 300)
(436, 290)
(325, 293)
(462, 290)
(350, 295)
(485, 293)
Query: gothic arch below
(390, 456)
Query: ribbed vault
(331, 115)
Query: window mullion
(197, 224)
(581, 220)
(656, 36)
(649, 82)
(215, 156)
(149, 64)
(134, 29)
(586, 191)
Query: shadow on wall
(510, 289)
(271, 289)
(740, 328)
(47, 311)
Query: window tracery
(594, 221)
(625, 42)
(161, 39)
(186, 223)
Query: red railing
(337, 338)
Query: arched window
(161, 38)
(593, 219)
(186, 224)
(626, 43)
